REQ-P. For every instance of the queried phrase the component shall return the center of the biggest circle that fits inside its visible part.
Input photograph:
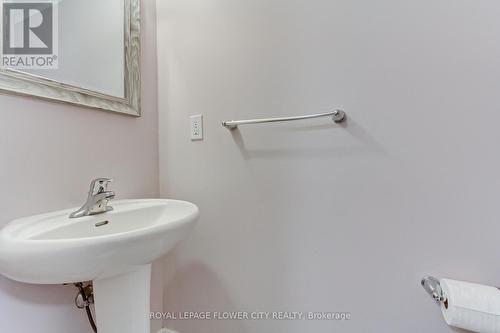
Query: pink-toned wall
(49, 152)
(310, 216)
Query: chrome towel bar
(337, 116)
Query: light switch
(196, 127)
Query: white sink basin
(54, 249)
(113, 249)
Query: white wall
(310, 216)
(49, 154)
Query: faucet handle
(99, 185)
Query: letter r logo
(28, 28)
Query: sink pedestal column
(122, 302)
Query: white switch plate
(196, 127)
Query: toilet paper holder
(433, 288)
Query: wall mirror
(84, 52)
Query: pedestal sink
(114, 250)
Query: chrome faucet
(97, 200)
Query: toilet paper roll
(471, 306)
